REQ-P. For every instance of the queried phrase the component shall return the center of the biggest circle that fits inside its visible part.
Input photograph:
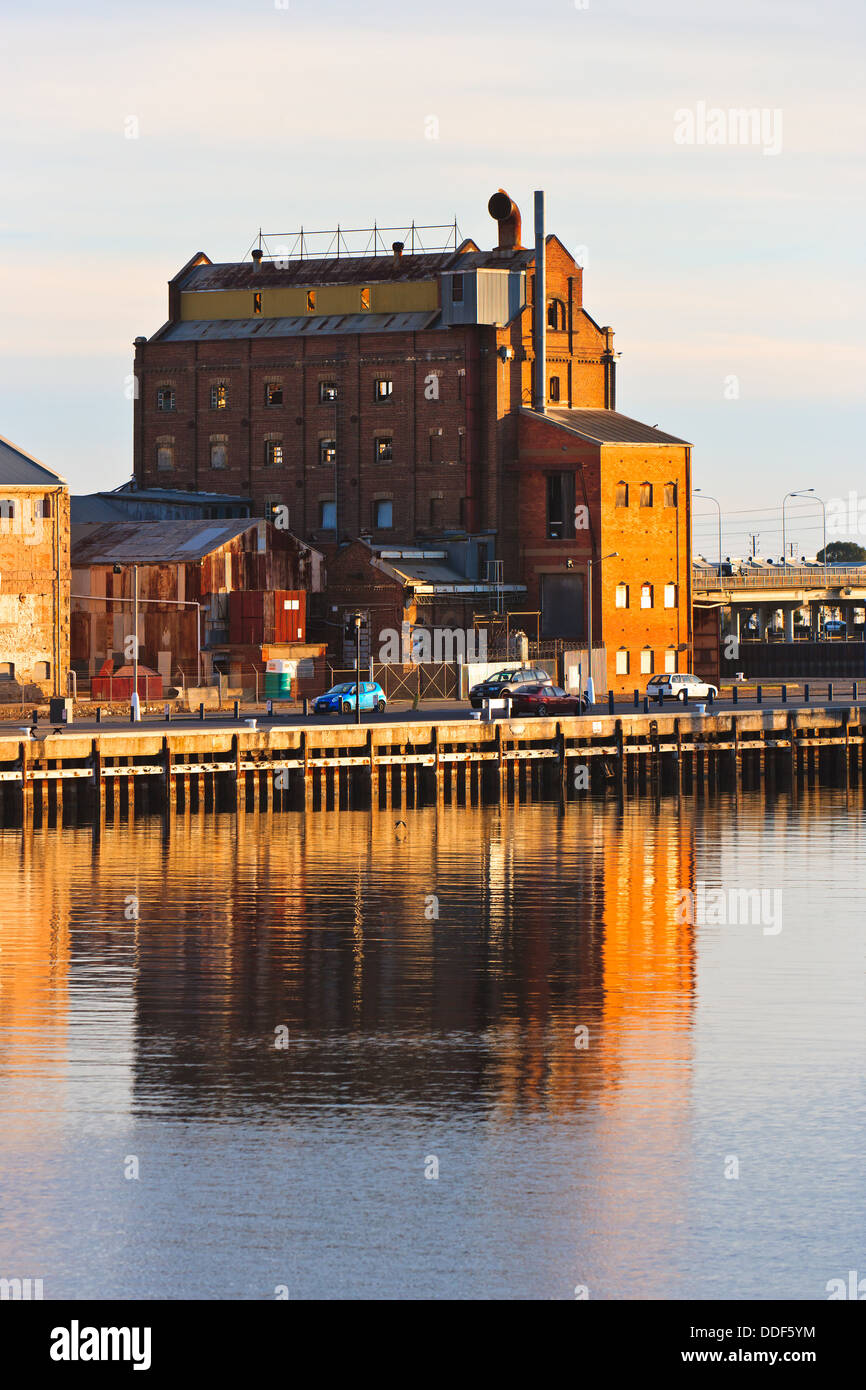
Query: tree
(843, 553)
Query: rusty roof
(345, 270)
(152, 542)
(607, 427)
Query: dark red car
(546, 699)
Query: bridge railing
(790, 576)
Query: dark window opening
(327, 392)
(273, 453)
(384, 448)
(457, 289)
(621, 495)
(273, 393)
(670, 494)
(165, 398)
(560, 506)
(384, 388)
(328, 451)
(554, 388)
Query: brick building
(34, 577)
(413, 397)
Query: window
(383, 515)
(646, 494)
(671, 659)
(461, 380)
(165, 398)
(646, 661)
(43, 507)
(219, 397)
(273, 453)
(622, 662)
(560, 506)
(328, 451)
(327, 392)
(621, 495)
(670, 596)
(646, 595)
(556, 314)
(7, 670)
(42, 671)
(328, 516)
(274, 393)
(670, 494)
(7, 509)
(384, 388)
(456, 289)
(257, 302)
(365, 297)
(434, 446)
(622, 596)
(554, 388)
(164, 457)
(219, 456)
(383, 450)
(311, 301)
(461, 445)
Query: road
(401, 711)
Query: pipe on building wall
(540, 317)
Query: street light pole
(709, 498)
(810, 492)
(135, 648)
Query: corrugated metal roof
(608, 427)
(319, 326)
(343, 270)
(18, 469)
(151, 542)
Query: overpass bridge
(766, 590)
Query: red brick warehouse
(409, 396)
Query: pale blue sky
(710, 261)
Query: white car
(678, 685)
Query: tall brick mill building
(409, 396)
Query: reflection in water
(435, 991)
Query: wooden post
(26, 784)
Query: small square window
(273, 453)
(274, 393)
(165, 398)
(622, 662)
(328, 451)
(384, 451)
(384, 388)
(328, 516)
(383, 513)
(219, 397)
(327, 391)
(646, 662)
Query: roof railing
(357, 241)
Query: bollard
(806, 693)
(269, 706)
(710, 697)
(646, 704)
(759, 695)
(610, 702)
(237, 714)
(166, 709)
(306, 706)
(854, 692)
(735, 694)
(98, 714)
(685, 694)
(637, 699)
(829, 692)
(34, 716)
(660, 697)
(784, 694)
(201, 711)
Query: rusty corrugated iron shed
(152, 542)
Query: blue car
(342, 699)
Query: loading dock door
(563, 605)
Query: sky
(729, 261)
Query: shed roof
(152, 542)
(607, 427)
(320, 326)
(19, 469)
(346, 270)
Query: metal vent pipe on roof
(506, 212)
(257, 257)
(540, 317)
(397, 248)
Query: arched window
(646, 494)
(670, 494)
(646, 595)
(622, 596)
(621, 494)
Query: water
(147, 983)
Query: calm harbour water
(414, 1041)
